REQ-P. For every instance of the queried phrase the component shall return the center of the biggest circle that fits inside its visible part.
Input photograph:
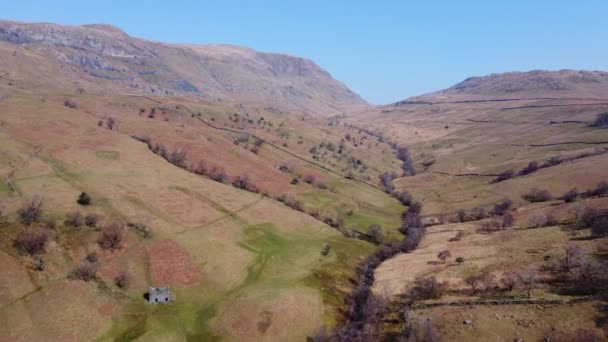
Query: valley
(276, 204)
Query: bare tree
(122, 280)
(537, 195)
(510, 280)
(32, 210)
(529, 278)
(74, 219)
(32, 242)
(507, 220)
(111, 236)
(84, 272)
(443, 255)
(574, 257)
(375, 232)
(537, 219)
(462, 215)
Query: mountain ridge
(212, 72)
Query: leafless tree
(537, 195)
(32, 242)
(443, 255)
(32, 210)
(122, 280)
(537, 219)
(507, 220)
(574, 257)
(74, 219)
(90, 220)
(84, 272)
(375, 231)
(510, 280)
(111, 236)
(529, 277)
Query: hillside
(101, 59)
(525, 85)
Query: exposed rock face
(105, 59)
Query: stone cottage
(160, 295)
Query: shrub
(32, 211)
(142, 229)
(459, 260)
(375, 232)
(111, 237)
(84, 272)
(570, 196)
(91, 257)
(322, 186)
(70, 103)
(510, 280)
(601, 120)
(295, 181)
(408, 165)
(503, 176)
(290, 201)
(122, 280)
(74, 220)
(310, 179)
(325, 250)
(90, 220)
(537, 195)
(38, 264)
(84, 199)
(31, 242)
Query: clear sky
(383, 50)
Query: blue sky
(383, 50)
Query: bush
(462, 215)
(32, 211)
(310, 179)
(601, 121)
(295, 181)
(111, 237)
(84, 199)
(600, 190)
(70, 103)
(177, 158)
(91, 257)
(375, 232)
(459, 260)
(325, 250)
(489, 226)
(31, 242)
(85, 272)
(142, 229)
(75, 220)
(457, 237)
(537, 195)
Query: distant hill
(104, 59)
(526, 85)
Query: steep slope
(103, 59)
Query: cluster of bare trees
(408, 164)
(534, 166)
(360, 322)
(601, 121)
